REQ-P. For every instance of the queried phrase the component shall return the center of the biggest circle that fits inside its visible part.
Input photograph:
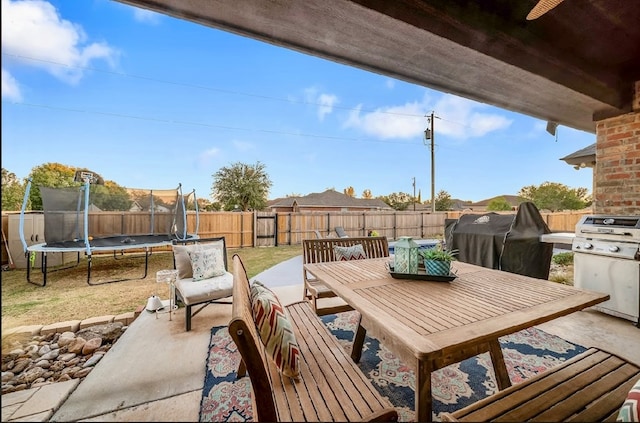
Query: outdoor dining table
(429, 325)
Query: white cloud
(146, 16)
(35, 31)
(459, 118)
(10, 87)
(206, 157)
(324, 101)
(404, 122)
(540, 126)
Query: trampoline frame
(89, 247)
(44, 251)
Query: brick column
(617, 171)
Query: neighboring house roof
(136, 207)
(329, 198)
(585, 157)
(460, 204)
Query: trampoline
(121, 221)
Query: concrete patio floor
(155, 372)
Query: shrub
(563, 259)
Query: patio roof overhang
(574, 65)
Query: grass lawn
(67, 296)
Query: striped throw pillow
(275, 329)
(630, 410)
(354, 252)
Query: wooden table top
(429, 320)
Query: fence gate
(266, 229)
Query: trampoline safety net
(137, 212)
(503, 241)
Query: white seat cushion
(197, 292)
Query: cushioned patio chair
(203, 276)
(341, 233)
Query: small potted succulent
(437, 260)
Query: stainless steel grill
(607, 259)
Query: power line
(207, 88)
(207, 125)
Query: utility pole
(429, 135)
(414, 193)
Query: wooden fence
(262, 229)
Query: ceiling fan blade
(541, 8)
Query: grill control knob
(614, 249)
(588, 246)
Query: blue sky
(150, 101)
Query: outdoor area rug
(526, 353)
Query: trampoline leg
(43, 268)
(89, 269)
(146, 262)
(146, 270)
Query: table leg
(499, 366)
(424, 400)
(358, 342)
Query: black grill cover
(503, 241)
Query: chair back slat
(321, 250)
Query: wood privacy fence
(262, 229)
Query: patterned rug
(526, 353)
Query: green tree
(110, 197)
(498, 204)
(443, 201)
(554, 196)
(203, 204)
(215, 206)
(398, 200)
(243, 185)
(49, 175)
(366, 194)
(12, 191)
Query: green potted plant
(437, 260)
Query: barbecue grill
(509, 242)
(607, 259)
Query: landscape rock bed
(55, 357)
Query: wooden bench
(591, 387)
(320, 251)
(330, 387)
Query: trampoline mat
(115, 242)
